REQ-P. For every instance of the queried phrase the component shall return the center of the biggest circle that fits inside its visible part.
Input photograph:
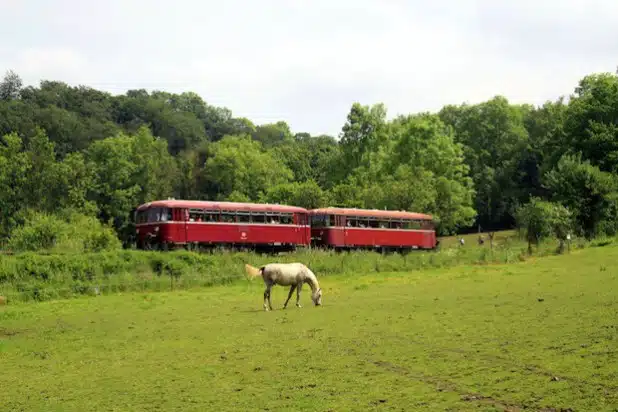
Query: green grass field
(540, 335)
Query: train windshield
(153, 215)
(319, 220)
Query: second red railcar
(341, 228)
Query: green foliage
(66, 232)
(592, 121)
(363, 133)
(467, 165)
(239, 164)
(590, 193)
(10, 86)
(540, 219)
(129, 170)
(495, 138)
(306, 194)
(420, 168)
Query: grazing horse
(287, 274)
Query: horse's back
(285, 267)
(286, 273)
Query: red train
(167, 224)
(383, 230)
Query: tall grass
(32, 276)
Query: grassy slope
(466, 338)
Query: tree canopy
(491, 164)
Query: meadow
(533, 334)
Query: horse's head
(317, 297)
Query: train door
(305, 228)
(244, 232)
(341, 239)
(181, 216)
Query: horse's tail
(252, 271)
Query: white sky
(307, 61)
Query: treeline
(76, 151)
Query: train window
(286, 219)
(352, 222)
(196, 215)
(319, 220)
(426, 225)
(272, 218)
(243, 217)
(140, 217)
(396, 224)
(166, 214)
(258, 217)
(228, 217)
(383, 224)
(211, 216)
(154, 214)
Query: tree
(495, 143)
(239, 164)
(306, 194)
(10, 87)
(540, 219)
(14, 168)
(364, 131)
(420, 168)
(272, 135)
(129, 170)
(592, 121)
(32, 179)
(587, 191)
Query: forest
(80, 157)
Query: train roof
(393, 214)
(206, 204)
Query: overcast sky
(307, 61)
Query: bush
(540, 219)
(66, 231)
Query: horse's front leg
(267, 296)
(300, 285)
(289, 296)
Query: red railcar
(165, 224)
(340, 228)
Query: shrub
(63, 232)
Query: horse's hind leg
(270, 304)
(289, 296)
(267, 296)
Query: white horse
(287, 274)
